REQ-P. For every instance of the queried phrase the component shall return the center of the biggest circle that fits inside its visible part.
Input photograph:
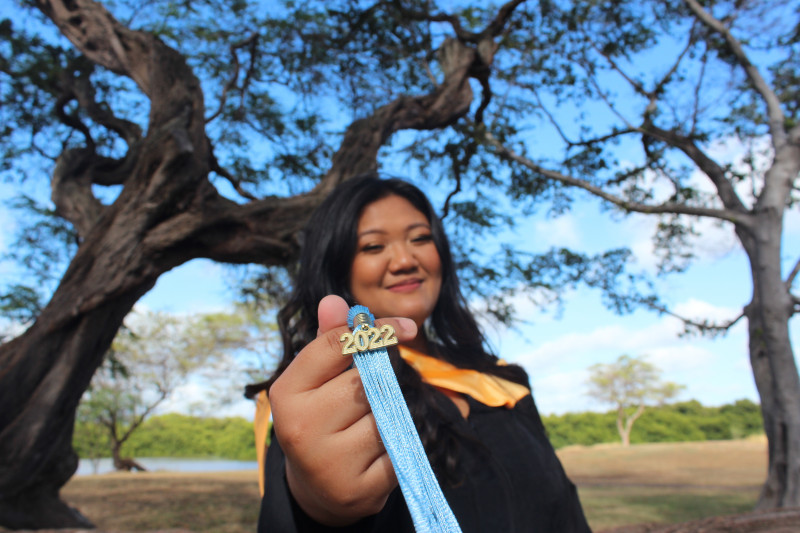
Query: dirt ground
(709, 464)
(119, 502)
(781, 521)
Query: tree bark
(772, 360)
(167, 213)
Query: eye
(371, 248)
(423, 238)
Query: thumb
(331, 313)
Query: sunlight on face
(396, 270)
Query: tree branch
(71, 190)
(651, 95)
(774, 111)
(493, 29)
(735, 217)
(252, 42)
(216, 167)
(447, 103)
(83, 91)
(139, 419)
(730, 199)
(792, 275)
(457, 164)
(498, 23)
(485, 47)
(86, 24)
(697, 92)
(704, 326)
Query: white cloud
(716, 238)
(605, 342)
(185, 398)
(698, 310)
(715, 371)
(194, 398)
(560, 393)
(714, 241)
(562, 231)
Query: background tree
(249, 341)
(90, 439)
(644, 98)
(152, 357)
(211, 129)
(629, 384)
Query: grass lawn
(645, 483)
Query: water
(167, 464)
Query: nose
(402, 259)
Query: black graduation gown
(514, 484)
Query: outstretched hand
(336, 466)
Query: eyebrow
(408, 228)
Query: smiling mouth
(405, 286)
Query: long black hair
(329, 245)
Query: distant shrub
(581, 428)
(176, 435)
(678, 422)
(663, 425)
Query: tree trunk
(773, 363)
(623, 429)
(625, 423)
(124, 464)
(44, 373)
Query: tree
(666, 85)
(211, 129)
(150, 358)
(165, 210)
(630, 384)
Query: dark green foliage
(21, 303)
(581, 428)
(659, 425)
(176, 435)
(42, 248)
(679, 422)
(91, 440)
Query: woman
(379, 243)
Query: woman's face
(396, 269)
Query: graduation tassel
(426, 503)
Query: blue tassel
(426, 503)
